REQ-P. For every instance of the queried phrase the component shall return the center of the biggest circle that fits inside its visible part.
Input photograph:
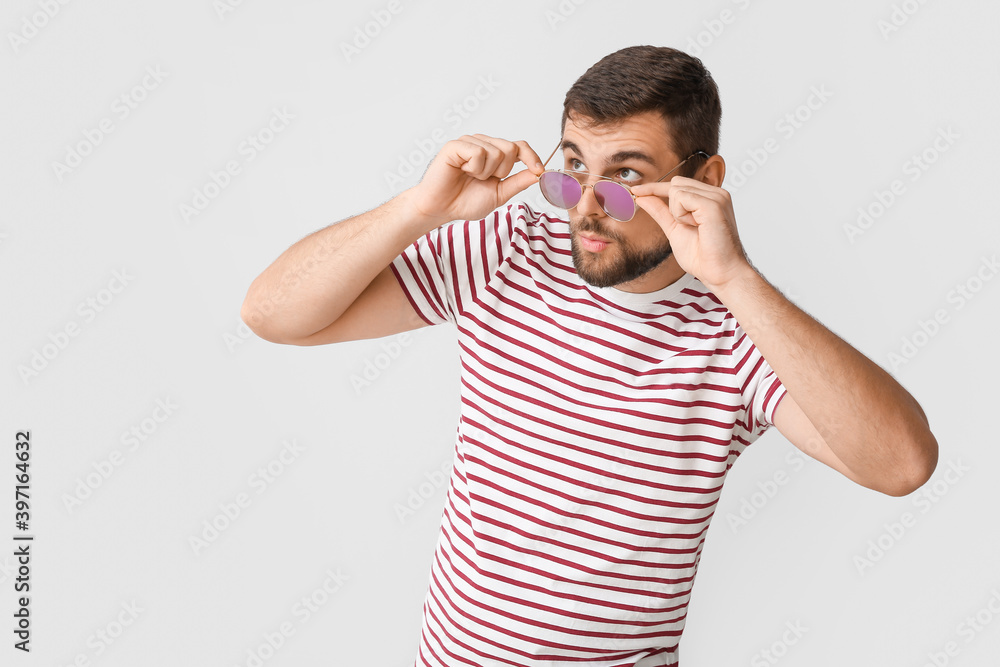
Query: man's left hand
(700, 224)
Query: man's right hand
(468, 178)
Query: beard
(618, 263)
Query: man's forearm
(867, 418)
(314, 281)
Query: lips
(595, 239)
(593, 243)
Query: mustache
(585, 225)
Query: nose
(588, 206)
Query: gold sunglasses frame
(584, 186)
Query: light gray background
(173, 333)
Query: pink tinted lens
(561, 190)
(615, 200)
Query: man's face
(635, 248)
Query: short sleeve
(443, 272)
(759, 385)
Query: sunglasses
(564, 189)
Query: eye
(573, 162)
(636, 176)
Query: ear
(713, 171)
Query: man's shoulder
(701, 310)
(529, 215)
(533, 222)
(515, 218)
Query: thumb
(511, 185)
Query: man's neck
(667, 273)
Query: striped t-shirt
(597, 427)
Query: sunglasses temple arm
(674, 169)
(682, 163)
(544, 164)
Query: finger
(713, 191)
(722, 197)
(683, 197)
(466, 156)
(663, 188)
(658, 209)
(529, 157)
(489, 157)
(684, 203)
(511, 185)
(685, 181)
(508, 153)
(651, 204)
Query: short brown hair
(652, 78)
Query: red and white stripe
(596, 431)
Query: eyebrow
(617, 158)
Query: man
(612, 370)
